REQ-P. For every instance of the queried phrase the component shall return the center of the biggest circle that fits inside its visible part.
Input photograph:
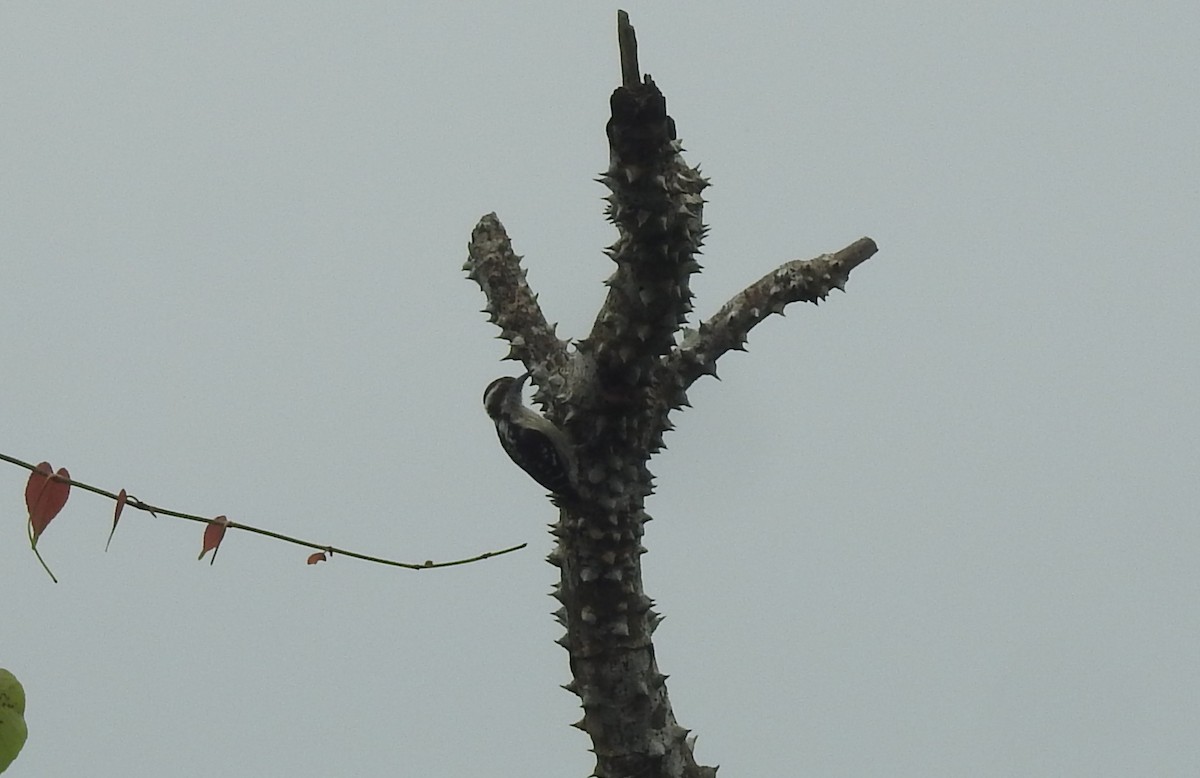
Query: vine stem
(141, 505)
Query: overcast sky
(944, 525)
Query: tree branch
(656, 205)
(511, 304)
(627, 44)
(799, 280)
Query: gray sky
(944, 525)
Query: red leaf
(45, 495)
(121, 498)
(213, 534)
(317, 557)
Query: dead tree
(613, 393)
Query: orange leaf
(317, 557)
(45, 495)
(121, 498)
(213, 534)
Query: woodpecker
(537, 446)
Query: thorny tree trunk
(613, 394)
